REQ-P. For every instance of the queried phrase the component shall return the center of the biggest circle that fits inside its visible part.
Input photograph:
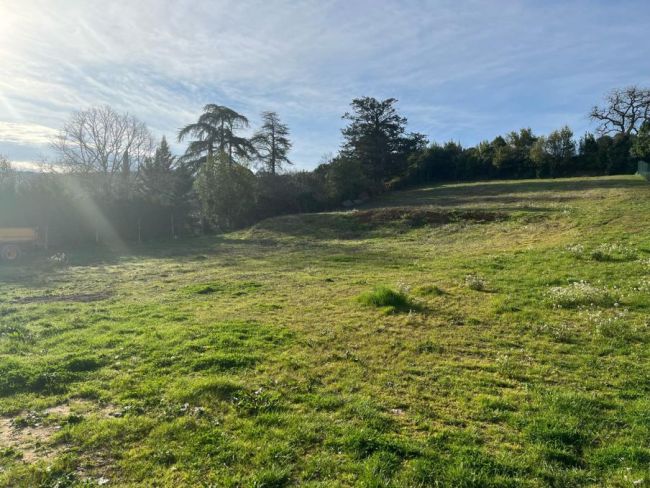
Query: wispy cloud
(26, 133)
(462, 70)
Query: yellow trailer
(14, 239)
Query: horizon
(456, 71)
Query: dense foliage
(117, 187)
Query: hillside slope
(483, 334)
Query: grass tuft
(387, 299)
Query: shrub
(387, 298)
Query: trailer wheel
(10, 252)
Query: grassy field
(484, 334)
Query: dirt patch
(31, 442)
(419, 217)
(79, 297)
(82, 407)
(30, 434)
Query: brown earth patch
(30, 434)
(32, 441)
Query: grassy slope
(247, 360)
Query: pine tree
(157, 175)
(272, 142)
(216, 131)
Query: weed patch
(579, 294)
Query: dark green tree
(216, 131)
(512, 154)
(344, 179)
(157, 175)
(226, 192)
(588, 154)
(552, 156)
(166, 182)
(375, 137)
(272, 143)
(641, 144)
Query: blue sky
(462, 70)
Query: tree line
(115, 183)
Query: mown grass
(516, 353)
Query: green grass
(517, 353)
(387, 299)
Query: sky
(462, 70)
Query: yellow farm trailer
(13, 240)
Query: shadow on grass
(458, 194)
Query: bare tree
(101, 142)
(625, 111)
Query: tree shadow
(498, 192)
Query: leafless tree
(101, 142)
(625, 111)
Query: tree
(539, 157)
(272, 142)
(215, 131)
(226, 192)
(344, 179)
(512, 153)
(588, 154)
(625, 111)
(166, 183)
(6, 170)
(375, 138)
(552, 155)
(641, 145)
(103, 143)
(157, 174)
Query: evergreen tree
(376, 138)
(272, 142)
(216, 131)
(226, 193)
(157, 175)
(166, 183)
